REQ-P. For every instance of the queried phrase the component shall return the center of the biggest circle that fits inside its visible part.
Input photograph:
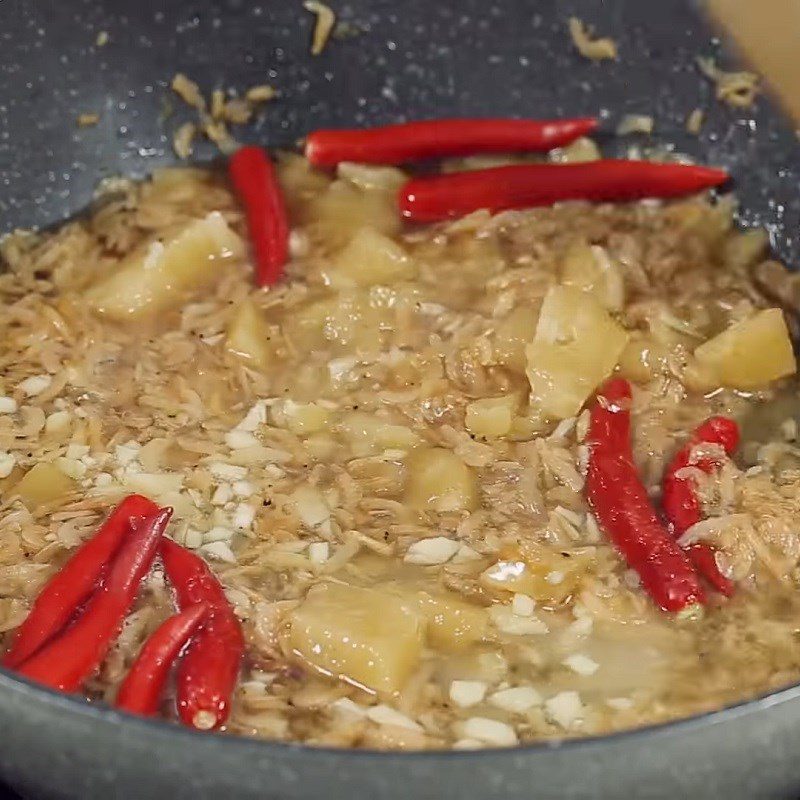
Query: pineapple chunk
(370, 176)
(452, 624)
(369, 258)
(343, 209)
(577, 345)
(511, 336)
(492, 416)
(750, 353)
(438, 480)
(248, 335)
(369, 434)
(550, 579)
(362, 635)
(43, 484)
(158, 275)
(591, 269)
(305, 418)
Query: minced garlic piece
(737, 89)
(695, 121)
(217, 104)
(326, 19)
(88, 120)
(594, 49)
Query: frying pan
(411, 59)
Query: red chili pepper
(439, 197)
(70, 587)
(256, 184)
(140, 692)
(208, 672)
(623, 508)
(679, 498)
(442, 138)
(66, 661)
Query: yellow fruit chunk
(438, 480)
(249, 334)
(370, 258)
(591, 269)
(451, 624)
(547, 576)
(367, 433)
(362, 635)
(43, 484)
(512, 335)
(491, 416)
(750, 353)
(305, 418)
(577, 344)
(160, 274)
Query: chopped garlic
(428, 552)
(239, 439)
(522, 605)
(467, 693)
(468, 744)
(466, 553)
(244, 516)
(311, 506)
(256, 416)
(620, 703)
(222, 494)
(489, 731)
(581, 664)
(34, 385)
(385, 715)
(516, 700)
(193, 538)
(220, 550)
(127, 453)
(508, 622)
(565, 709)
(243, 489)
(7, 463)
(227, 472)
(319, 552)
(77, 451)
(8, 405)
(218, 534)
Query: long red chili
(623, 508)
(419, 141)
(66, 661)
(140, 692)
(70, 587)
(254, 179)
(208, 672)
(439, 197)
(679, 496)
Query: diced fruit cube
(591, 269)
(370, 258)
(368, 433)
(492, 416)
(362, 635)
(577, 344)
(512, 335)
(43, 484)
(160, 274)
(438, 480)
(249, 334)
(750, 353)
(452, 624)
(305, 418)
(548, 577)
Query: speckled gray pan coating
(414, 58)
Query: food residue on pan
(737, 89)
(323, 25)
(593, 48)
